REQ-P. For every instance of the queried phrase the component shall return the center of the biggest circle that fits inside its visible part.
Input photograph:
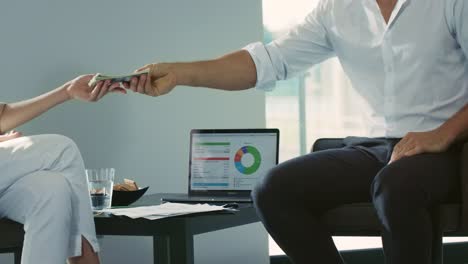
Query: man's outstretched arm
(232, 72)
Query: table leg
(17, 255)
(176, 248)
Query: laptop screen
(233, 160)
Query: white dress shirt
(413, 71)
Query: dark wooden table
(173, 236)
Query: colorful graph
(256, 163)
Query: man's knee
(389, 183)
(269, 188)
(393, 191)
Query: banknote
(115, 78)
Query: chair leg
(437, 239)
(437, 249)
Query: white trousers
(43, 186)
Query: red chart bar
(212, 158)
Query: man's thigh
(330, 177)
(434, 176)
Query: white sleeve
(305, 45)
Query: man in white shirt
(408, 59)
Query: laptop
(226, 164)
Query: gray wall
(45, 43)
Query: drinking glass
(100, 185)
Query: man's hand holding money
(160, 80)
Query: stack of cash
(117, 78)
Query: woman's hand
(159, 81)
(414, 143)
(16, 114)
(78, 89)
(11, 135)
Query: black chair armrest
(464, 187)
(327, 143)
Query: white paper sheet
(165, 210)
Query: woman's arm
(16, 114)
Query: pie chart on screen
(247, 160)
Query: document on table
(165, 210)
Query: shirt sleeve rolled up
(303, 46)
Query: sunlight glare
(279, 15)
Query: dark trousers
(293, 195)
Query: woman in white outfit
(43, 183)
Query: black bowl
(124, 198)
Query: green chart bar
(212, 144)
